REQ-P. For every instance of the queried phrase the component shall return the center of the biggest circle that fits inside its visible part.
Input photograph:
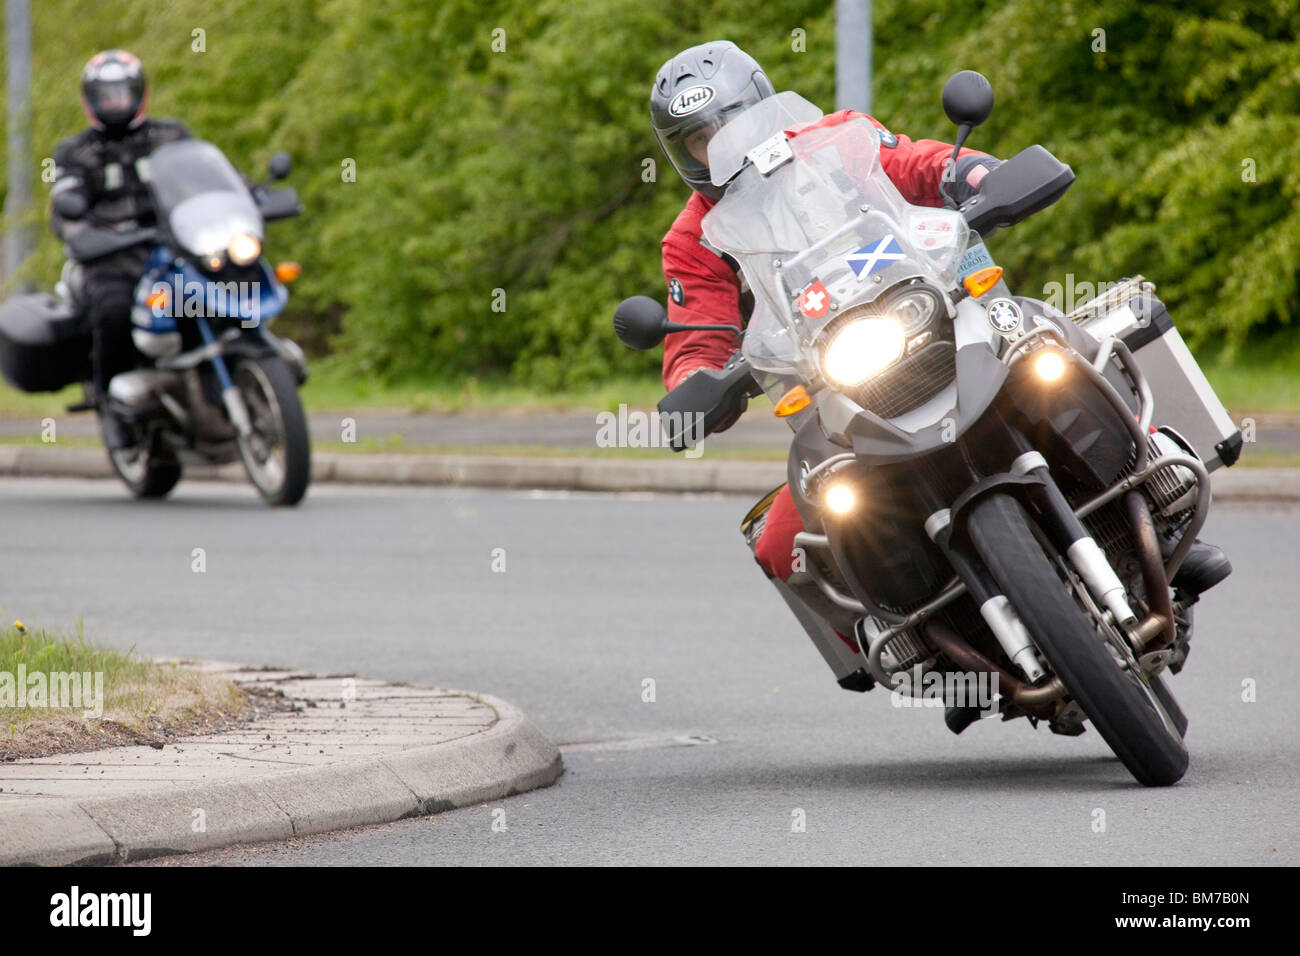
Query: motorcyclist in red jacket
(695, 93)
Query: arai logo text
(689, 100)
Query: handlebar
(96, 243)
(1029, 181)
(708, 401)
(277, 203)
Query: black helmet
(114, 91)
(695, 93)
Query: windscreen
(820, 230)
(201, 196)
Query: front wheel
(1106, 682)
(277, 452)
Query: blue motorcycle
(216, 385)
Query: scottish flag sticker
(874, 256)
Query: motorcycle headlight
(861, 348)
(244, 248)
(915, 310)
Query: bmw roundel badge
(676, 292)
(1004, 315)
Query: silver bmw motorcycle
(994, 493)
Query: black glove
(707, 401)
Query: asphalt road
(747, 733)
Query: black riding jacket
(111, 173)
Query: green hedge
(522, 169)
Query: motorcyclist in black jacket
(108, 165)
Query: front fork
(1067, 534)
(231, 399)
(1002, 619)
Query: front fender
(257, 344)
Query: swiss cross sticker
(815, 301)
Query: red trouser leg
(775, 547)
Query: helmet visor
(114, 96)
(688, 149)
(687, 146)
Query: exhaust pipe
(1039, 701)
(1159, 622)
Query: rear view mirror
(968, 99)
(968, 102)
(640, 322)
(280, 165)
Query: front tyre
(277, 452)
(1117, 698)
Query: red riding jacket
(704, 288)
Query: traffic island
(332, 752)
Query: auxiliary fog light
(1049, 365)
(840, 498)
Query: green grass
(41, 651)
(14, 403)
(1264, 377)
(79, 441)
(1257, 388)
(396, 444)
(130, 684)
(1255, 457)
(330, 389)
(136, 691)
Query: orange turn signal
(156, 300)
(981, 280)
(795, 400)
(288, 271)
